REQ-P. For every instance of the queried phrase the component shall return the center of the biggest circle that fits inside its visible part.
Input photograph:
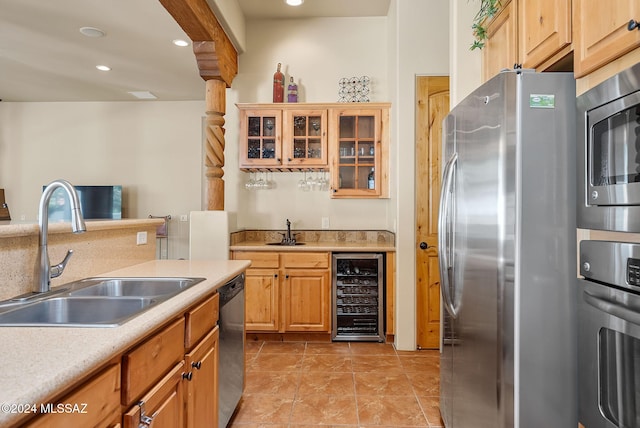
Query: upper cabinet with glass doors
(349, 140)
(305, 138)
(359, 151)
(285, 137)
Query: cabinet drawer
(259, 259)
(164, 403)
(147, 363)
(101, 395)
(200, 320)
(305, 260)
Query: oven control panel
(612, 263)
(633, 271)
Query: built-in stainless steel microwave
(609, 154)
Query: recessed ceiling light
(92, 32)
(103, 67)
(143, 95)
(294, 2)
(181, 43)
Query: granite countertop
(314, 246)
(315, 240)
(37, 363)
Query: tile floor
(307, 384)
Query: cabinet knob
(286, 276)
(424, 245)
(187, 376)
(633, 24)
(275, 275)
(197, 365)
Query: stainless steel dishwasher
(231, 368)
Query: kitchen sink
(134, 287)
(77, 312)
(93, 302)
(285, 244)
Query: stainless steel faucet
(46, 271)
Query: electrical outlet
(184, 217)
(141, 238)
(325, 222)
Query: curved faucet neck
(77, 226)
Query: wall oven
(609, 335)
(609, 154)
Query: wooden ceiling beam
(216, 56)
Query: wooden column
(217, 61)
(214, 144)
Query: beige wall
(317, 53)
(153, 149)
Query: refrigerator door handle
(445, 244)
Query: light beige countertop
(333, 246)
(36, 364)
(12, 229)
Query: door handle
(423, 245)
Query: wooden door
(202, 386)
(262, 309)
(432, 107)
(163, 403)
(501, 48)
(306, 300)
(601, 34)
(544, 29)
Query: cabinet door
(501, 49)
(260, 138)
(261, 291)
(544, 28)
(305, 138)
(202, 383)
(101, 395)
(359, 152)
(306, 300)
(601, 33)
(163, 404)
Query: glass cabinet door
(261, 138)
(305, 138)
(356, 157)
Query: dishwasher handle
(231, 289)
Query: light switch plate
(325, 222)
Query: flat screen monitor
(96, 202)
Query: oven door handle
(612, 307)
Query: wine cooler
(358, 297)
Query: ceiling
(44, 57)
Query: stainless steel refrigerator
(507, 248)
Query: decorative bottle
(292, 92)
(371, 181)
(278, 85)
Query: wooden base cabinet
(101, 395)
(287, 292)
(306, 297)
(202, 393)
(168, 380)
(162, 406)
(262, 293)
